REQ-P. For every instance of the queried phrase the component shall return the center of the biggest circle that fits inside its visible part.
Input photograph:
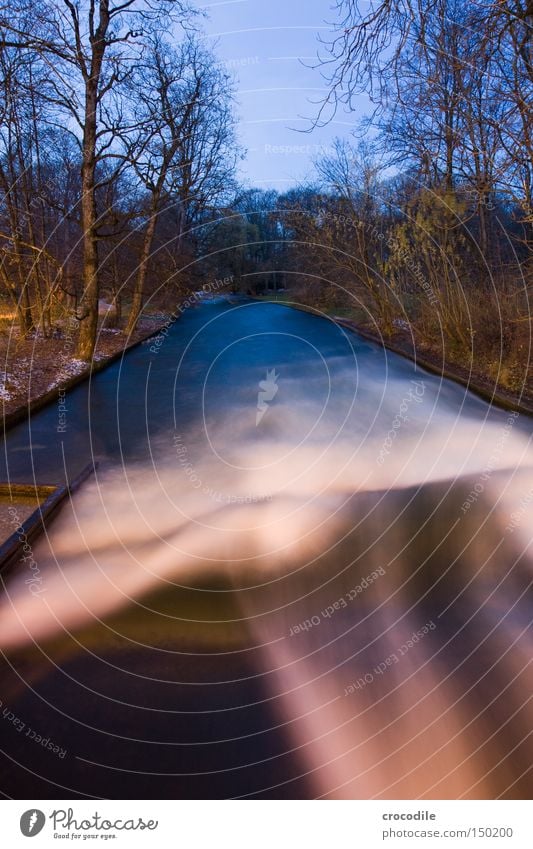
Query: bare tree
(90, 48)
(352, 173)
(26, 261)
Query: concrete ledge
(49, 499)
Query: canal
(302, 569)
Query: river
(301, 570)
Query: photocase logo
(32, 822)
(267, 392)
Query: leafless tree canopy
(111, 114)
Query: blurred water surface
(302, 569)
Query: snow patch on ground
(67, 369)
(403, 325)
(72, 367)
(15, 382)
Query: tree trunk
(89, 301)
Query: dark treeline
(116, 137)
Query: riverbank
(403, 343)
(35, 370)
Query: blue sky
(261, 42)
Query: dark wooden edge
(32, 526)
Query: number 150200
(493, 831)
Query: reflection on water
(329, 599)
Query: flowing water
(302, 570)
